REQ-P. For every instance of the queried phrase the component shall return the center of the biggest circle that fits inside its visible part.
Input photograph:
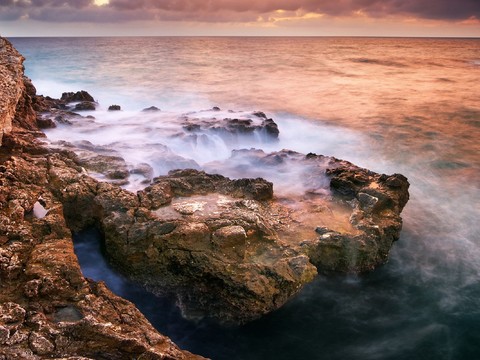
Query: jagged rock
(47, 308)
(16, 91)
(205, 214)
(46, 103)
(195, 234)
(229, 125)
(367, 207)
(79, 96)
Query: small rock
(4, 334)
(114, 108)
(151, 108)
(39, 344)
(85, 106)
(78, 96)
(12, 313)
(46, 123)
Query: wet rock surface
(231, 124)
(229, 249)
(47, 308)
(345, 218)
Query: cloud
(233, 10)
(429, 9)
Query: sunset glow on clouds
(238, 17)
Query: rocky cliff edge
(47, 308)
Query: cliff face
(47, 308)
(17, 92)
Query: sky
(446, 18)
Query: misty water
(408, 106)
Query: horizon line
(249, 36)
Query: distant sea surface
(393, 105)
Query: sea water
(409, 106)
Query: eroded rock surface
(16, 92)
(47, 308)
(229, 249)
(345, 218)
(205, 238)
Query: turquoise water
(392, 105)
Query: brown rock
(78, 96)
(47, 308)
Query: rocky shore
(227, 249)
(47, 308)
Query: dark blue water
(392, 105)
(377, 316)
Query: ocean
(393, 105)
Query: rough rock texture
(366, 208)
(79, 96)
(230, 124)
(205, 238)
(227, 248)
(47, 308)
(17, 90)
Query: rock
(223, 124)
(39, 344)
(45, 123)
(151, 108)
(144, 170)
(79, 96)
(16, 90)
(85, 106)
(114, 108)
(47, 308)
(366, 205)
(46, 103)
(205, 238)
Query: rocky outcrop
(365, 208)
(205, 238)
(230, 124)
(230, 250)
(16, 100)
(47, 308)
